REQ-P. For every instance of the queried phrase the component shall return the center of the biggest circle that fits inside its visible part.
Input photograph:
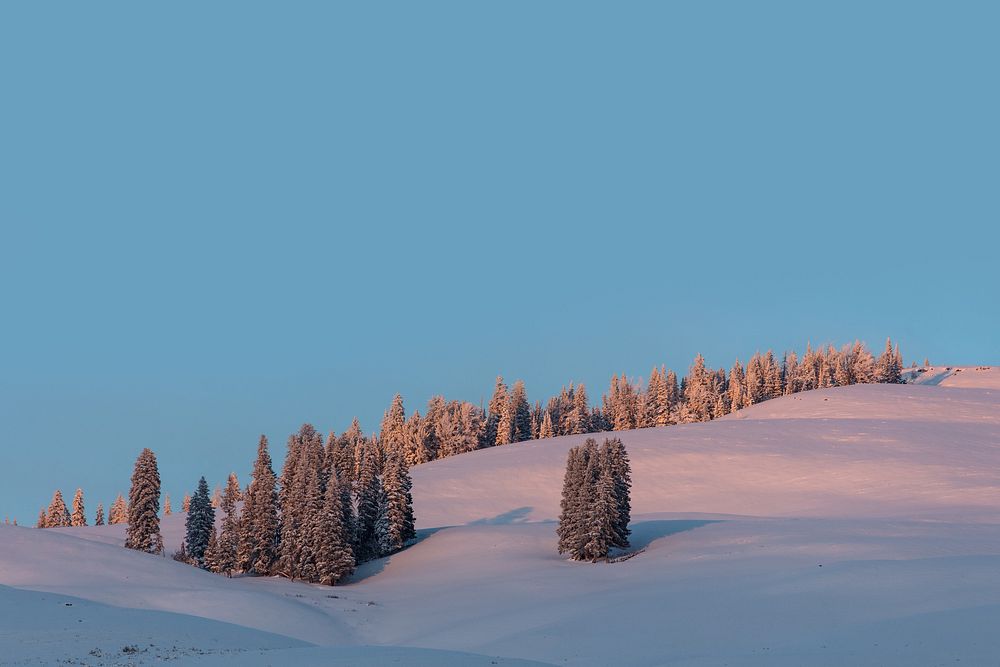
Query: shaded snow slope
(856, 525)
(866, 450)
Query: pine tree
(259, 526)
(601, 518)
(736, 386)
(399, 505)
(570, 530)
(495, 411)
(119, 511)
(214, 558)
(393, 433)
(167, 510)
(595, 506)
(143, 532)
(369, 490)
(229, 537)
(334, 556)
(545, 431)
(43, 521)
(58, 515)
(79, 517)
(505, 426)
(99, 518)
(520, 413)
(199, 524)
(617, 462)
(186, 502)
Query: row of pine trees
(449, 428)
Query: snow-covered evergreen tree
(186, 502)
(368, 491)
(397, 485)
(58, 515)
(119, 511)
(497, 406)
(334, 556)
(214, 558)
(199, 523)
(545, 431)
(167, 509)
(99, 517)
(229, 536)
(520, 413)
(79, 516)
(393, 433)
(259, 525)
(143, 533)
(43, 521)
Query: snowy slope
(968, 377)
(857, 525)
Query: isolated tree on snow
(143, 532)
(199, 524)
(99, 518)
(595, 504)
(43, 521)
(79, 517)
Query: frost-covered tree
(99, 517)
(143, 533)
(79, 516)
(43, 520)
(393, 433)
(229, 536)
(397, 485)
(259, 525)
(119, 511)
(199, 523)
(58, 515)
(214, 558)
(495, 412)
(595, 504)
(368, 491)
(545, 431)
(505, 425)
(186, 502)
(334, 556)
(167, 509)
(520, 415)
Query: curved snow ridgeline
(857, 525)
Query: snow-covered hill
(857, 525)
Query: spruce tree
(393, 433)
(99, 518)
(79, 517)
(119, 511)
(497, 406)
(545, 431)
(259, 525)
(167, 510)
(214, 558)
(199, 524)
(520, 413)
(186, 502)
(399, 505)
(334, 556)
(43, 521)
(368, 491)
(229, 537)
(58, 516)
(143, 532)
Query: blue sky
(227, 219)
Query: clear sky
(223, 219)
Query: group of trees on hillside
(447, 428)
(596, 506)
(58, 515)
(336, 504)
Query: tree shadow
(372, 567)
(519, 515)
(645, 532)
